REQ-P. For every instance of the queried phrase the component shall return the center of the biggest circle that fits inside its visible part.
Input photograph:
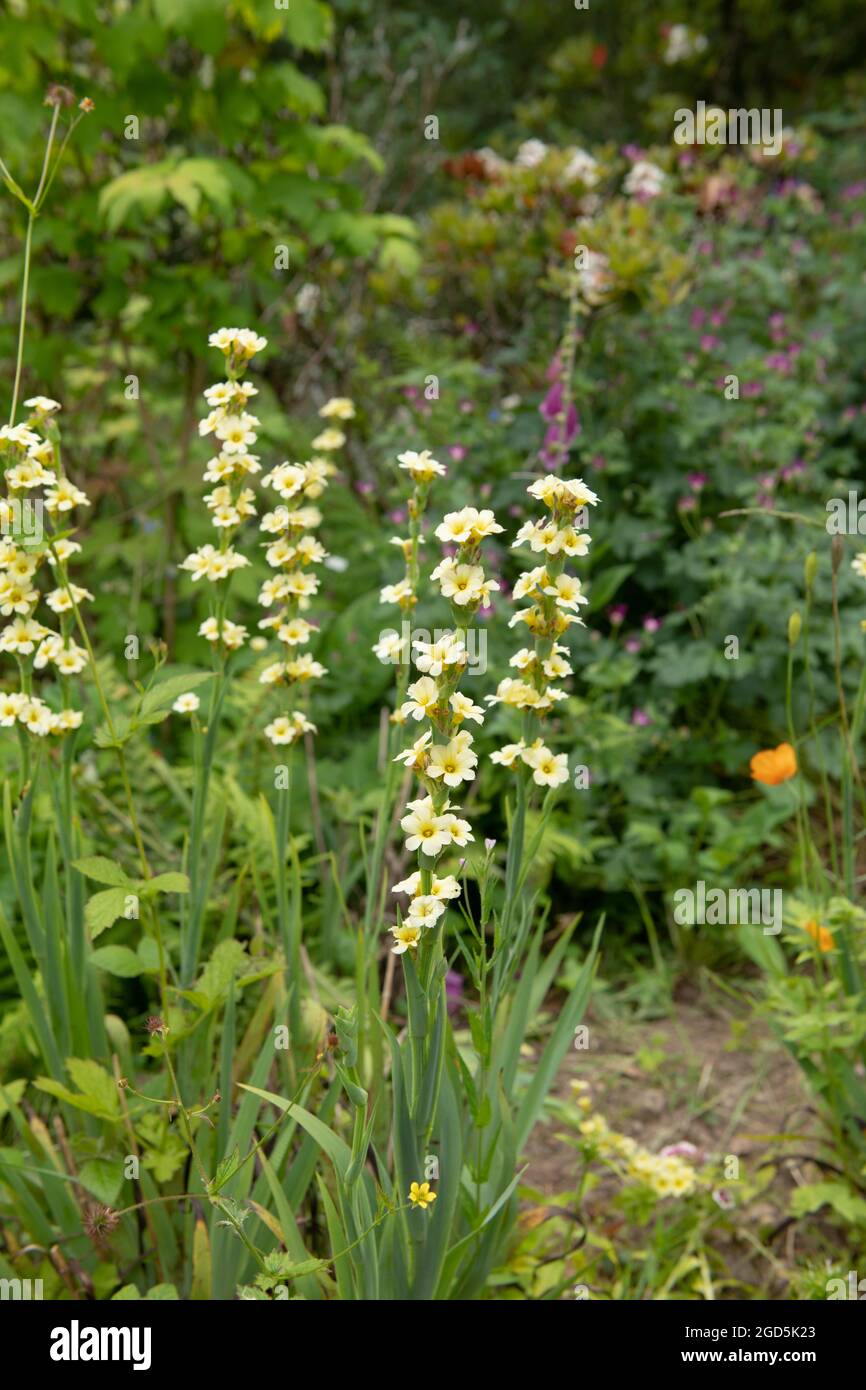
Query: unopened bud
(837, 550)
(810, 569)
(795, 625)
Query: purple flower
(552, 403)
(778, 362)
(687, 504)
(697, 481)
(617, 613)
(458, 452)
(454, 997)
(640, 718)
(558, 437)
(722, 1198)
(554, 371)
(364, 488)
(632, 644)
(651, 623)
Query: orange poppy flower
(774, 765)
(822, 935)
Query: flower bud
(795, 624)
(810, 569)
(837, 550)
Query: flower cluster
(231, 500)
(35, 530)
(422, 469)
(442, 756)
(667, 1172)
(461, 578)
(555, 598)
(291, 551)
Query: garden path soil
(725, 1085)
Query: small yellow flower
(338, 408)
(421, 1196)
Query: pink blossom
(682, 1149)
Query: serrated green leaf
(118, 960)
(164, 883)
(160, 697)
(103, 870)
(812, 1196)
(103, 1177)
(103, 909)
(97, 1094)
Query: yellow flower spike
(421, 1196)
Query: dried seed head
(58, 96)
(156, 1026)
(99, 1221)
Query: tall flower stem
(32, 214)
(205, 747)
